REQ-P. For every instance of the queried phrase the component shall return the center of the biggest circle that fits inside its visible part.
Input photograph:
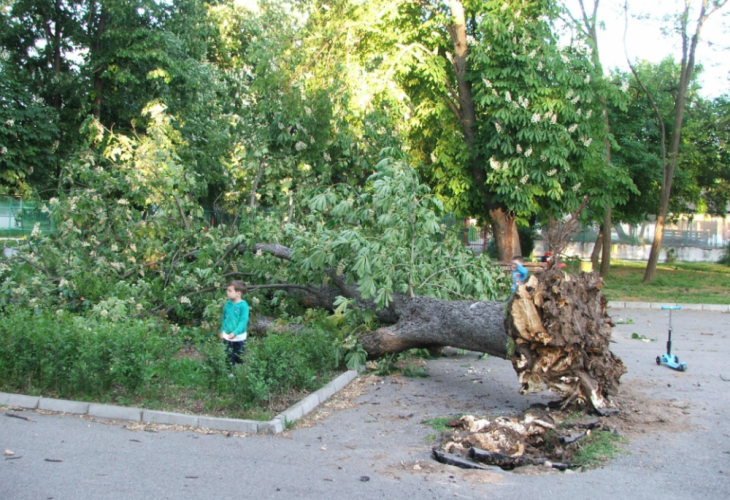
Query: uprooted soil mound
(537, 437)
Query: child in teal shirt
(235, 321)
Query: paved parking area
(375, 445)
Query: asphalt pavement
(376, 445)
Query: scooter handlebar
(674, 308)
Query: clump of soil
(536, 437)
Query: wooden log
(456, 460)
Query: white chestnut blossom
(487, 83)
(625, 86)
(588, 79)
(543, 158)
(184, 300)
(576, 187)
(525, 179)
(498, 127)
(508, 96)
(494, 163)
(535, 118)
(528, 153)
(587, 142)
(552, 172)
(590, 112)
(122, 201)
(299, 146)
(572, 128)
(519, 149)
(326, 156)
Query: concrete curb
(274, 426)
(658, 305)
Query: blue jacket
(519, 276)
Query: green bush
(278, 363)
(68, 356)
(75, 357)
(725, 259)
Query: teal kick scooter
(668, 359)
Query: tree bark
(606, 242)
(505, 234)
(425, 322)
(597, 248)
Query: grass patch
(146, 363)
(439, 423)
(597, 449)
(684, 282)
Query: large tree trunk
(425, 322)
(505, 234)
(554, 329)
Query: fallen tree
(554, 329)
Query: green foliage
(278, 363)
(388, 239)
(65, 356)
(527, 239)
(725, 259)
(439, 423)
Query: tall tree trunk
(96, 33)
(597, 248)
(606, 257)
(504, 227)
(689, 47)
(505, 234)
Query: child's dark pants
(235, 351)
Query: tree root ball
(561, 335)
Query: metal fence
(18, 217)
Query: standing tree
(505, 121)
(670, 157)
(616, 189)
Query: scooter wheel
(659, 360)
(682, 368)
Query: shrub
(281, 362)
(725, 259)
(70, 356)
